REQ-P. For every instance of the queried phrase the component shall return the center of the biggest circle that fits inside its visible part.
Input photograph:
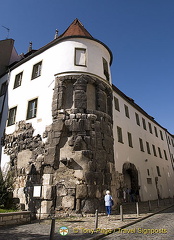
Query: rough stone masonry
(74, 159)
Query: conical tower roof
(76, 29)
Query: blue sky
(140, 34)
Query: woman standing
(108, 202)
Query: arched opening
(130, 174)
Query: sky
(140, 34)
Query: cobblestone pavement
(158, 227)
(83, 227)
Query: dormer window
(105, 69)
(36, 70)
(80, 57)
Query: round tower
(79, 150)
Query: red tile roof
(76, 29)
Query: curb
(128, 224)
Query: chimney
(30, 47)
(56, 34)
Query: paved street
(157, 227)
(83, 227)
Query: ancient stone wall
(75, 165)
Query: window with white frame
(80, 57)
(32, 109)
(18, 80)
(36, 70)
(11, 116)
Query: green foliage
(5, 191)
(2, 210)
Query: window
(141, 145)
(116, 103)
(154, 150)
(32, 109)
(148, 148)
(144, 123)
(80, 57)
(150, 127)
(36, 70)
(12, 116)
(159, 151)
(126, 111)
(169, 140)
(130, 139)
(149, 180)
(156, 133)
(158, 171)
(165, 155)
(148, 172)
(119, 134)
(3, 88)
(18, 80)
(105, 69)
(172, 142)
(161, 134)
(137, 119)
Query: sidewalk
(83, 227)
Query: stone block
(47, 192)
(89, 178)
(7, 218)
(61, 190)
(81, 191)
(24, 157)
(91, 191)
(47, 179)
(90, 205)
(71, 192)
(68, 202)
(45, 207)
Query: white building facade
(61, 114)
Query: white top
(108, 201)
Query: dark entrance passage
(131, 181)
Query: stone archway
(130, 174)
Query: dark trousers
(108, 210)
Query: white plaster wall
(58, 59)
(123, 153)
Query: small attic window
(105, 69)
(80, 57)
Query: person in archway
(132, 195)
(108, 202)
